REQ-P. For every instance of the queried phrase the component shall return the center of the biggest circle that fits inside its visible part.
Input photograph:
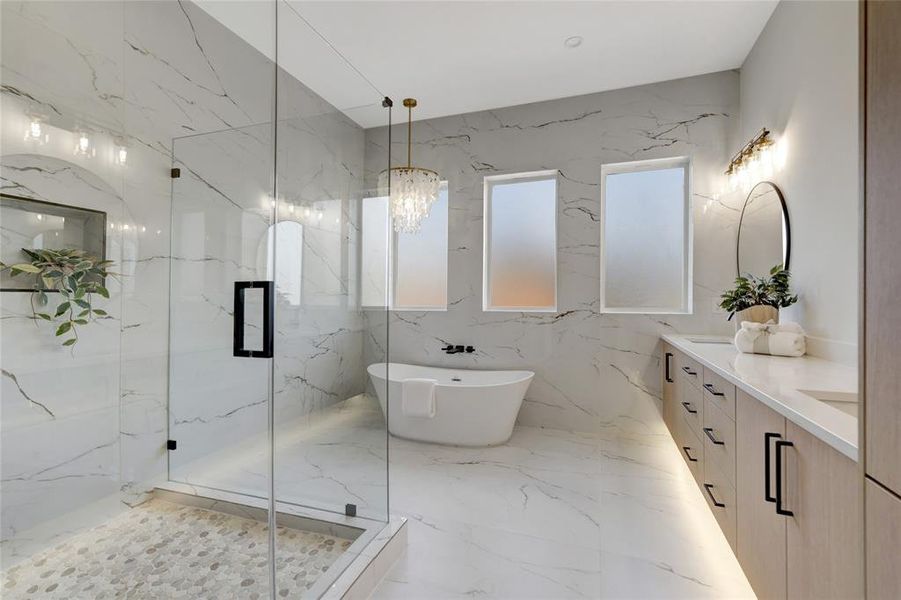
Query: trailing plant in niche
(76, 276)
(772, 290)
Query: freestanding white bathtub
(472, 408)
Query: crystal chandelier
(413, 190)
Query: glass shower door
(222, 310)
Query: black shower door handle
(268, 314)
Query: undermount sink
(846, 402)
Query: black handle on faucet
(451, 349)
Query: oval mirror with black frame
(764, 233)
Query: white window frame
(488, 184)
(637, 166)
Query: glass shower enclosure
(271, 411)
(214, 432)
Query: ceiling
(459, 57)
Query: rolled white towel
(785, 339)
(418, 398)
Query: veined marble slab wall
(89, 432)
(60, 409)
(592, 370)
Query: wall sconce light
(84, 147)
(35, 131)
(752, 163)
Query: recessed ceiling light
(573, 41)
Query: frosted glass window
(420, 269)
(520, 255)
(416, 263)
(646, 237)
(374, 264)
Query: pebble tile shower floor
(165, 550)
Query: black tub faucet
(450, 349)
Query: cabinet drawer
(691, 403)
(692, 450)
(719, 439)
(720, 496)
(720, 391)
(690, 371)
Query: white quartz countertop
(775, 381)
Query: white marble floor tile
(449, 559)
(554, 514)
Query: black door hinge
(171, 444)
(175, 173)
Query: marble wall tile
(592, 370)
(59, 407)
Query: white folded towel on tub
(785, 339)
(418, 398)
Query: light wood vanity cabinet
(761, 531)
(718, 432)
(788, 503)
(822, 490)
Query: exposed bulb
(753, 168)
(743, 179)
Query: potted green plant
(759, 299)
(73, 274)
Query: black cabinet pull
(709, 432)
(685, 449)
(666, 360)
(690, 372)
(780, 444)
(707, 488)
(687, 406)
(766, 466)
(238, 348)
(709, 387)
